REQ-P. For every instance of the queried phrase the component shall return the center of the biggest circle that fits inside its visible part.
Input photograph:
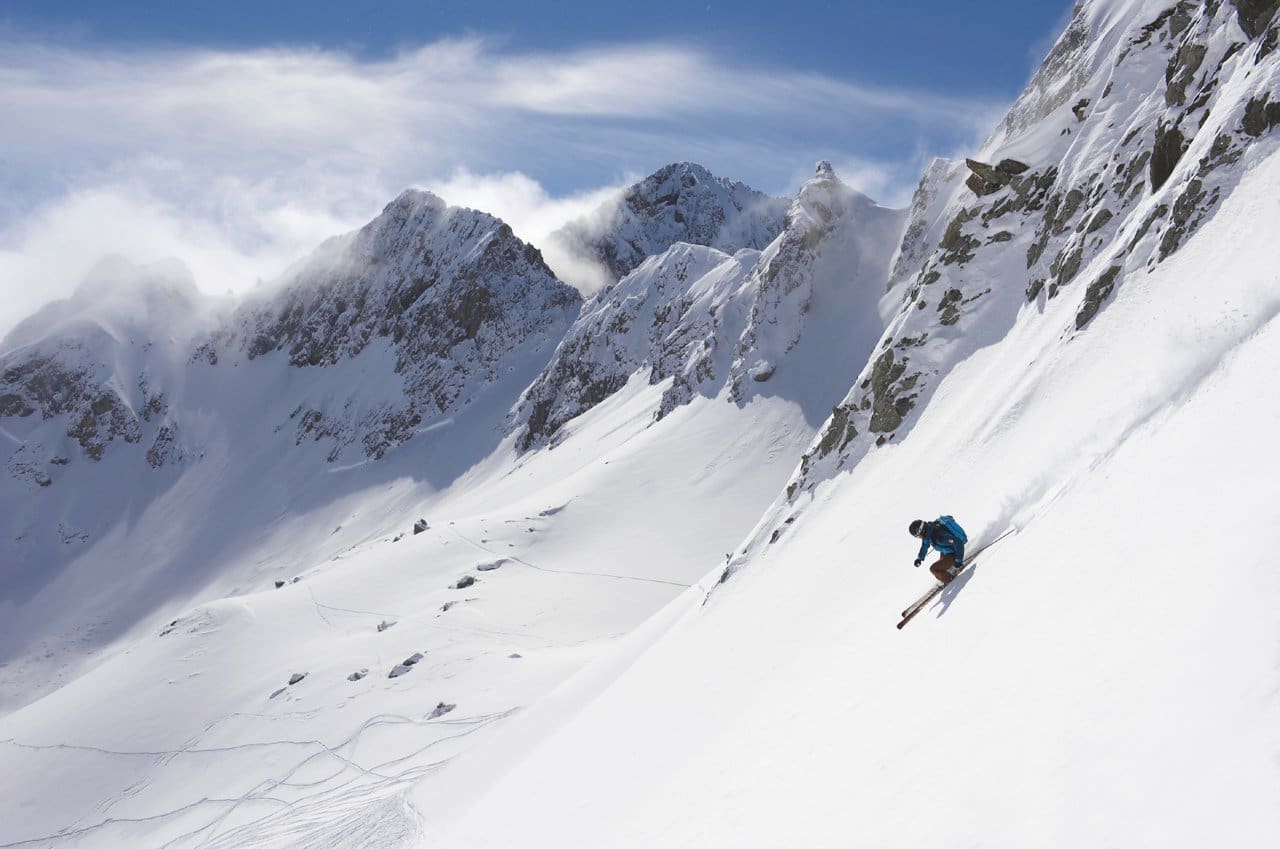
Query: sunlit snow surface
(1107, 675)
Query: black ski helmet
(916, 527)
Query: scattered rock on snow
(419, 526)
(441, 710)
(296, 677)
(384, 625)
(464, 582)
(407, 664)
(357, 675)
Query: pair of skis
(920, 603)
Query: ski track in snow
(385, 783)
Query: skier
(946, 535)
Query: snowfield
(632, 581)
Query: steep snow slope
(1107, 675)
(682, 202)
(796, 320)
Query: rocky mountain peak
(680, 202)
(1141, 120)
(706, 322)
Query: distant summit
(682, 202)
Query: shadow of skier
(948, 595)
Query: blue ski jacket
(937, 534)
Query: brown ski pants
(943, 567)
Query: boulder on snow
(357, 675)
(296, 677)
(384, 625)
(419, 526)
(441, 710)
(491, 565)
(406, 665)
(463, 582)
(987, 179)
(279, 584)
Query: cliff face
(1141, 120)
(682, 202)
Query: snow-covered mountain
(795, 320)
(640, 590)
(682, 202)
(139, 417)
(444, 302)
(1084, 356)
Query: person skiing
(945, 535)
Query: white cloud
(238, 162)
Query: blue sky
(235, 135)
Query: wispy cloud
(238, 162)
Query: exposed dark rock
(384, 625)
(1188, 209)
(1155, 215)
(464, 582)
(440, 710)
(988, 179)
(958, 247)
(1066, 264)
(296, 677)
(839, 431)
(357, 675)
(1079, 108)
(949, 306)
(1097, 292)
(1165, 153)
(280, 584)
(1001, 236)
(405, 666)
(164, 449)
(1181, 71)
(1255, 15)
(1260, 115)
(1098, 221)
(1034, 288)
(419, 526)
(12, 404)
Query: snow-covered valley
(418, 547)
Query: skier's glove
(918, 562)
